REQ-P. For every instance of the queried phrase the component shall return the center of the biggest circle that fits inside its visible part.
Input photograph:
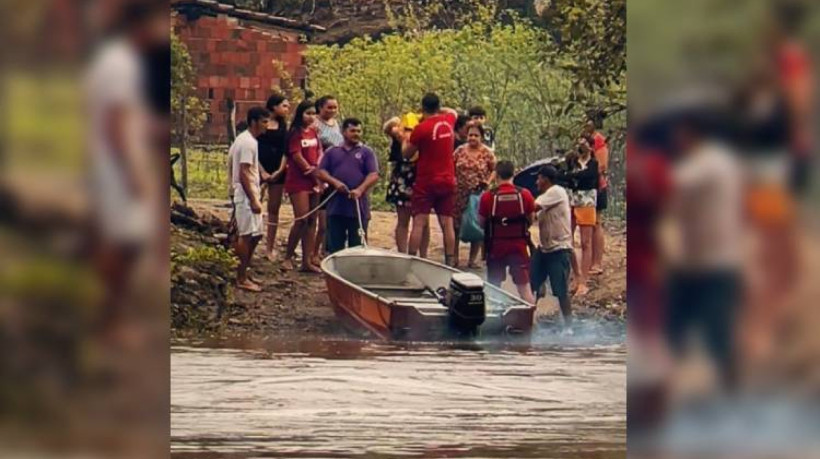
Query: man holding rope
(352, 170)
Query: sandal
(287, 264)
(249, 286)
(311, 269)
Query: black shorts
(554, 266)
(602, 201)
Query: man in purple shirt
(352, 169)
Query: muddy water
(556, 397)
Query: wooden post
(183, 146)
(231, 120)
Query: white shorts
(247, 222)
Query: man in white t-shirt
(552, 258)
(705, 285)
(125, 191)
(244, 170)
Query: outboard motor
(465, 303)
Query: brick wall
(235, 59)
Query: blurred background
(83, 228)
(722, 214)
(723, 246)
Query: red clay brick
(237, 62)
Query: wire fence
(208, 176)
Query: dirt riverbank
(204, 302)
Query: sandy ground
(294, 302)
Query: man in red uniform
(435, 186)
(506, 214)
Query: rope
(362, 234)
(313, 211)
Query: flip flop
(249, 286)
(311, 270)
(287, 264)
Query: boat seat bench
(404, 288)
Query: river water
(554, 397)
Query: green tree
(183, 92)
(588, 37)
(504, 66)
(188, 112)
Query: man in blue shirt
(352, 169)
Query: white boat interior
(402, 279)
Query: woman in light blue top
(330, 135)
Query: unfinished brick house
(236, 53)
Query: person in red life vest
(600, 151)
(649, 182)
(506, 213)
(435, 186)
(304, 150)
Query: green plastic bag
(471, 231)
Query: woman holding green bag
(475, 170)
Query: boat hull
(404, 318)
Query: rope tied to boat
(362, 233)
(312, 211)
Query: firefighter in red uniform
(506, 214)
